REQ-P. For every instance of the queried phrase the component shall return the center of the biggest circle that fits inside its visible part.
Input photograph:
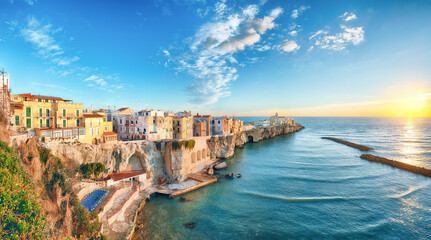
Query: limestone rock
(222, 165)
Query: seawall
(404, 166)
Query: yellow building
(97, 129)
(47, 116)
(182, 127)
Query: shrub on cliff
(189, 144)
(44, 154)
(88, 169)
(20, 214)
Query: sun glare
(417, 105)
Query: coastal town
(140, 152)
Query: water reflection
(409, 144)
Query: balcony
(69, 115)
(44, 116)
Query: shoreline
(138, 224)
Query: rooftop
(124, 175)
(92, 115)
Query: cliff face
(115, 157)
(224, 146)
(159, 159)
(256, 135)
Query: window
(97, 131)
(40, 112)
(17, 120)
(89, 122)
(64, 112)
(47, 123)
(40, 123)
(28, 112)
(28, 123)
(154, 120)
(54, 101)
(47, 112)
(91, 131)
(77, 112)
(98, 121)
(121, 121)
(106, 128)
(39, 100)
(46, 100)
(25, 98)
(78, 123)
(64, 123)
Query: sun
(415, 105)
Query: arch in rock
(134, 163)
(250, 138)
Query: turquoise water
(300, 186)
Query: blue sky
(222, 57)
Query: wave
(408, 191)
(304, 199)
(330, 180)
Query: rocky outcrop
(223, 146)
(258, 134)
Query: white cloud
(339, 41)
(348, 16)
(42, 37)
(166, 52)
(100, 82)
(297, 12)
(289, 46)
(293, 33)
(276, 12)
(211, 61)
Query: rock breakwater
(404, 166)
(350, 144)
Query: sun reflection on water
(409, 144)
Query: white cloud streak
(41, 36)
(339, 41)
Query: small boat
(238, 175)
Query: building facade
(98, 129)
(182, 127)
(44, 114)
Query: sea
(300, 186)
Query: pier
(401, 165)
(350, 144)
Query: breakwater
(350, 144)
(404, 166)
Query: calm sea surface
(300, 186)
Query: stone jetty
(350, 144)
(401, 165)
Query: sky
(238, 58)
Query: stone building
(199, 128)
(207, 119)
(182, 126)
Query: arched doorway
(95, 141)
(250, 138)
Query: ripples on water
(300, 186)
